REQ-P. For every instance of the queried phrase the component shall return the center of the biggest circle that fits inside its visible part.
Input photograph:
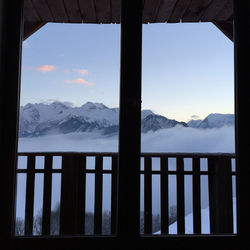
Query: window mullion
(130, 120)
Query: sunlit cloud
(66, 71)
(79, 81)
(195, 117)
(45, 68)
(26, 44)
(51, 100)
(82, 72)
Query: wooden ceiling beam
(31, 27)
(179, 11)
(226, 28)
(165, 10)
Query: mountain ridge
(61, 118)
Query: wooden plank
(110, 154)
(226, 28)
(180, 196)
(30, 28)
(115, 11)
(73, 11)
(81, 165)
(103, 11)
(178, 11)
(42, 8)
(69, 196)
(98, 195)
(212, 10)
(88, 13)
(30, 13)
(225, 13)
(164, 196)
(165, 10)
(29, 202)
(58, 11)
(195, 10)
(47, 189)
(150, 10)
(147, 195)
(220, 196)
(196, 196)
(114, 193)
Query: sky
(187, 68)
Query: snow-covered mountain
(153, 122)
(55, 118)
(214, 120)
(61, 118)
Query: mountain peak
(63, 105)
(92, 105)
(213, 120)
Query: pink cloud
(82, 72)
(45, 68)
(79, 81)
(66, 71)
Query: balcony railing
(167, 170)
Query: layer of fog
(178, 139)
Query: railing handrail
(143, 154)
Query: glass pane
(187, 115)
(69, 111)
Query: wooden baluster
(29, 203)
(114, 195)
(180, 196)
(81, 194)
(98, 195)
(69, 195)
(164, 195)
(196, 196)
(47, 188)
(220, 195)
(148, 195)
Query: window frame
(130, 104)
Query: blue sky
(187, 68)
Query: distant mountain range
(213, 121)
(60, 118)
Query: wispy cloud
(45, 68)
(66, 71)
(79, 81)
(195, 117)
(51, 100)
(82, 72)
(26, 44)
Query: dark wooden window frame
(11, 31)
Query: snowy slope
(205, 227)
(214, 120)
(194, 123)
(154, 122)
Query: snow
(205, 225)
(34, 117)
(217, 120)
(194, 123)
(145, 113)
(59, 111)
